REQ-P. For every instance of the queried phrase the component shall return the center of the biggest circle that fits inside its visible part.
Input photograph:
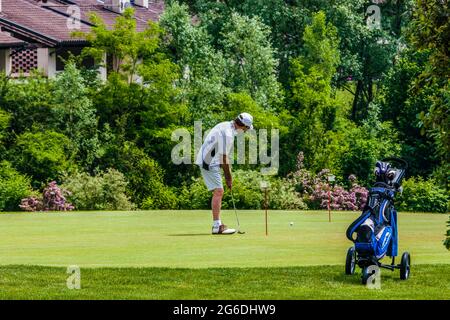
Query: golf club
(235, 212)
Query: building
(37, 34)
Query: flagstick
(265, 204)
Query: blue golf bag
(375, 232)
(376, 228)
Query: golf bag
(376, 228)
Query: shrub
(246, 191)
(145, 178)
(43, 155)
(317, 193)
(13, 187)
(194, 195)
(105, 191)
(53, 199)
(423, 196)
(5, 118)
(284, 196)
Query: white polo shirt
(218, 142)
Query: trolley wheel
(405, 266)
(365, 276)
(350, 261)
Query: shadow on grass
(189, 234)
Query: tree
(203, 67)
(4, 124)
(310, 101)
(28, 103)
(141, 102)
(401, 106)
(367, 53)
(43, 155)
(75, 115)
(122, 43)
(250, 62)
(366, 144)
(430, 32)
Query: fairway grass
(172, 255)
(320, 282)
(182, 239)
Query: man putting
(214, 154)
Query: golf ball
(291, 224)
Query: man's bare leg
(216, 203)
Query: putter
(235, 212)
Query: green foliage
(311, 102)
(423, 196)
(447, 240)
(203, 67)
(5, 117)
(360, 147)
(75, 115)
(29, 102)
(283, 196)
(104, 191)
(320, 50)
(366, 53)
(246, 191)
(237, 103)
(13, 187)
(250, 63)
(401, 106)
(353, 94)
(123, 42)
(43, 155)
(237, 57)
(430, 31)
(145, 177)
(194, 195)
(141, 101)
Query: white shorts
(212, 178)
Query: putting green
(183, 239)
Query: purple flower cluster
(53, 199)
(338, 198)
(31, 204)
(318, 193)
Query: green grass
(318, 282)
(171, 255)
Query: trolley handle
(398, 160)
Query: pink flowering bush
(317, 193)
(32, 204)
(53, 199)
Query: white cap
(246, 119)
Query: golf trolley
(376, 229)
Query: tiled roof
(30, 20)
(47, 22)
(8, 41)
(142, 15)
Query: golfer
(214, 154)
